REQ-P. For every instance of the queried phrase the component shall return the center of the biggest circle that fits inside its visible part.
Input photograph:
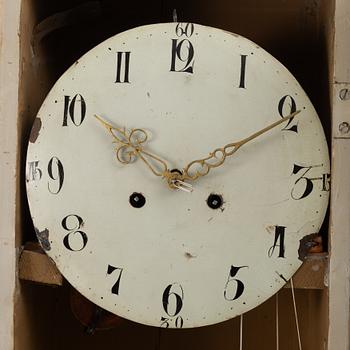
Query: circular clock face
(158, 255)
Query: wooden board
(9, 71)
(36, 266)
(339, 274)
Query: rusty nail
(344, 94)
(344, 128)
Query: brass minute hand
(201, 167)
(130, 147)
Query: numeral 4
(280, 232)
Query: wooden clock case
(307, 36)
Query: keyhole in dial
(137, 200)
(215, 201)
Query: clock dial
(161, 256)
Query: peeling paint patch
(270, 229)
(189, 256)
(35, 130)
(306, 243)
(43, 237)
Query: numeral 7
(118, 272)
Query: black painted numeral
(234, 287)
(280, 232)
(304, 185)
(182, 51)
(172, 300)
(56, 173)
(326, 182)
(286, 107)
(73, 224)
(123, 66)
(178, 322)
(34, 172)
(186, 29)
(74, 109)
(243, 71)
(117, 271)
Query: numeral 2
(286, 111)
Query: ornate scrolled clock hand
(201, 167)
(130, 147)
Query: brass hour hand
(201, 167)
(131, 146)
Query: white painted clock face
(119, 234)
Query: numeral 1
(280, 232)
(123, 65)
(117, 271)
(243, 70)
